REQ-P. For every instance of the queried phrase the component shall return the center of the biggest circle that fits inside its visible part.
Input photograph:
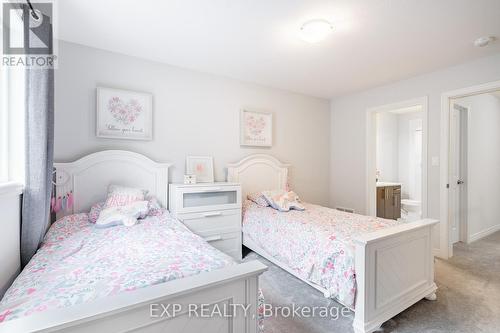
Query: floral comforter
(317, 243)
(78, 263)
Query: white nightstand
(212, 211)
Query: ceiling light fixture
(483, 41)
(315, 31)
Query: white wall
(10, 249)
(348, 125)
(407, 173)
(483, 179)
(194, 114)
(387, 146)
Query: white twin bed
(86, 279)
(378, 266)
(105, 280)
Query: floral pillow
(154, 206)
(126, 215)
(122, 196)
(283, 200)
(258, 198)
(95, 210)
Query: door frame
(371, 167)
(445, 245)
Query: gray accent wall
(194, 114)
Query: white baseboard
(484, 233)
(436, 252)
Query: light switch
(435, 161)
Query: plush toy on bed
(280, 200)
(126, 214)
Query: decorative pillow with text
(122, 196)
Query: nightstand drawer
(209, 223)
(225, 242)
(212, 211)
(190, 199)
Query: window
(12, 124)
(3, 128)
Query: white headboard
(88, 178)
(258, 172)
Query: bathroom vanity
(389, 200)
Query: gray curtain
(39, 139)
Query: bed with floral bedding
(374, 266)
(316, 243)
(78, 262)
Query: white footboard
(164, 307)
(394, 270)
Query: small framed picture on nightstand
(202, 167)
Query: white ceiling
(375, 41)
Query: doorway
(396, 154)
(459, 145)
(470, 155)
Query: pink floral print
(79, 263)
(124, 113)
(255, 125)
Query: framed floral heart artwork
(202, 167)
(123, 114)
(256, 128)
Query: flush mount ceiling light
(315, 31)
(483, 41)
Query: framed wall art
(256, 128)
(123, 114)
(202, 167)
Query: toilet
(412, 209)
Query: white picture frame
(256, 128)
(202, 167)
(124, 114)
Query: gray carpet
(468, 297)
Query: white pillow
(126, 215)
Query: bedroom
(206, 77)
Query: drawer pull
(210, 189)
(213, 238)
(212, 214)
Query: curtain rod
(33, 13)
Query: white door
(455, 180)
